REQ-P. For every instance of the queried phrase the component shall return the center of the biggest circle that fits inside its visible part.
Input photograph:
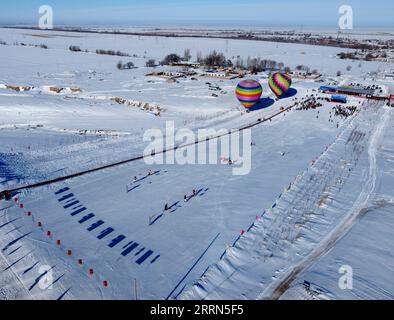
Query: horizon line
(196, 23)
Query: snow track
(323, 203)
(358, 208)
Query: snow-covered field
(319, 194)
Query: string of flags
(270, 210)
(58, 242)
(105, 283)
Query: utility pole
(338, 34)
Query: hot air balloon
(279, 83)
(249, 92)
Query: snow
(303, 234)
(316, 57)
(313, 229)
(367, 247)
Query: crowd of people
(343, 111)
(309, 103)
(313, 102)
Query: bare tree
(150, 63)
(215, 59)
(239, 64)
(199, 57)
(128, 65)
(186, 55)
(75, 48)
(171, 59)
(271, 64)
(254, 65)
(304, 68)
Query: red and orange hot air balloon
(248, 92)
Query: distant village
(216, 66)
(381, 55)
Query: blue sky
(377, 13)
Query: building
(389, 75)
(349, 90)
(337, 98)
(361, 92)
(300, 74)
(326, 89)
(167, 74)
(220, 75)
(194, 65)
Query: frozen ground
(321, 58)
(341, 182)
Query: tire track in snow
(276, 290)
(12, 274)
